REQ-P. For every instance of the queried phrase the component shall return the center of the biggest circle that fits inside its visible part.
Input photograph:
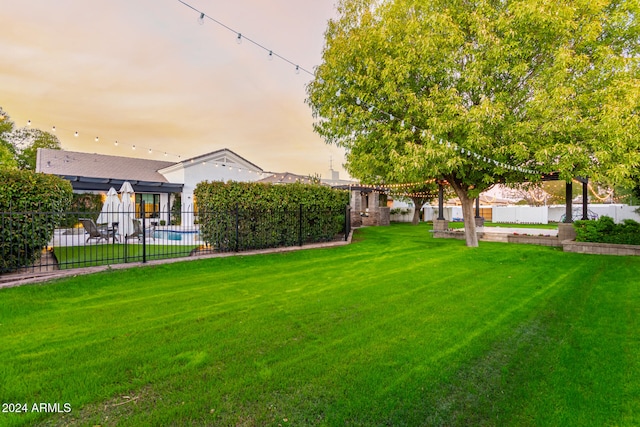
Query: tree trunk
(469, 222)
(418, 203)
(468, 215)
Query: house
(154, 182)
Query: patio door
(151, 205)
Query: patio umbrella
(127, 210)
(110, 208)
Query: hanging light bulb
(97, 139)
(239, 38)
(165, 154)
(270, 55)
(133, 147)
(358, 101)
(371, 109)
(297, 69)
(76, 134)
(201, 19)
(28, 122)
(53, 129)
(115, 143)
(339, 92)
(149, 150)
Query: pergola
(568, 217)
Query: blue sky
(145, 73)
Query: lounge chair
(137, 231)
(97, 232)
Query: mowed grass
(395, 329)
(106, 254)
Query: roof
(73, 163)
(285, 178)
(221, 156)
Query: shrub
(26, 224)
(605, 230)
(241, 215)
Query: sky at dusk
(145, 73)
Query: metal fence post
(144, 231)
(300, 226)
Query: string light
(53, 129)
(240, 37)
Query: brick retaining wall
(599, 248)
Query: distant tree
(30, 140)
(19, 146)
(7, 150)
(419, 194)
(477, 93)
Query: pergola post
(479, 220)
(440, 202)
(585, 199)
(565, 229)
(440, 224)
(568, 214)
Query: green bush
(605, 230)
(29, 203)
(240, 215)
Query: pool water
(175, 235)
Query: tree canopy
(475, 93)
(19, 146)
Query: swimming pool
(177, 235)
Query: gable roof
(223, 157)
(286, 178)
(73, 163)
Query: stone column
(566, 231)
(356, 208)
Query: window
(151, 205)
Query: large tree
(480, 92)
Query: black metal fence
(45, 240)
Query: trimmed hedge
(25, 197)
(605, 230)
(241, 215)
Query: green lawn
(396, 329)
(109, 254)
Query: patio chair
(97, 232)
(137, 231)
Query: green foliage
(240, 215)
(24, 231)
(605, 230)
(7, 150)
(176, 210)
(19, 146)
(32, 139)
